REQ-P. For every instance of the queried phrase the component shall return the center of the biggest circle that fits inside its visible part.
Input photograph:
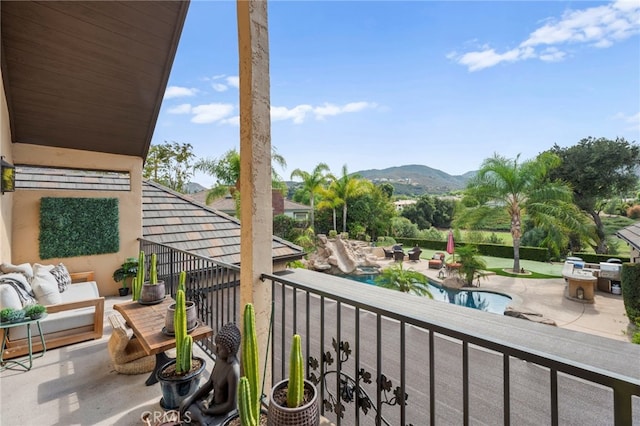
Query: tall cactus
(141, 268)
(295, 388)
(184, 342)
(250, 362)
(244, 403)
(182, 281)
(153, 278)
(136, 288)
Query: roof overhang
(88, 75)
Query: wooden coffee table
(147, 323)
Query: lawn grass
(529, 274)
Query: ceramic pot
(151, 293)
(192, 317)
(280, 415)
(176, 389)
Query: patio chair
(414, 254)
(398, 255)
(388, 254)
(436, 261)
(126, 353)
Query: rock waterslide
(337, 256)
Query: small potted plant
(126, 272)
(179, 378)
(294, 401)
(35, 311)
(12, 315)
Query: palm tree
(312, 183)
(226, 170)
(345, 188)
(470, 262)
(404, 280)
(329, 201)
(522, 188)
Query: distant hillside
(417, 179)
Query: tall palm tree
(522, 188)
(329, 201)
(345, 188)
(312, 183)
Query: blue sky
(377, 84)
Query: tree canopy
(597, 170)
(170, 164)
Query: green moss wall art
(78, 226)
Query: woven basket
(305, 415)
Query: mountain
(192, 187)
(416, 179)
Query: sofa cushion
(80, 291)
(45, 285)
(23, 268)
(62, 276)
(9, 298)
(59, 321)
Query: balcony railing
(382, 357)
(386, 358)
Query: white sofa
(74, 314)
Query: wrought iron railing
(214, 286)
(387, 358)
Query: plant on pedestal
(126, 272)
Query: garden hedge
(630, 282)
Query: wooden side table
(13, 363)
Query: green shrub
(385, 241)
(630, 282)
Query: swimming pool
(475, 299)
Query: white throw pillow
(9, 298)
(23, 268)
(45, 285)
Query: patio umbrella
(451, 246)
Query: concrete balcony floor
(76, 385)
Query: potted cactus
(153, 291)
(249, 393)
(180, 377)
(294, 401)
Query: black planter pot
(123, 291)
(177, 389)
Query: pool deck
(605, 317)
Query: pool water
(476, 299)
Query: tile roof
(631, 234)
(178, 220)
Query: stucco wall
(6, 200)
(26, 210)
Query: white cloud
(180, 109)
(179, 92)
(633, 120)
(599, 26)
(210, 113)
(233, 81)
(299, 113)
(552, 54)
(219, 87)
(232, 121)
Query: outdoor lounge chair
(436, 261)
